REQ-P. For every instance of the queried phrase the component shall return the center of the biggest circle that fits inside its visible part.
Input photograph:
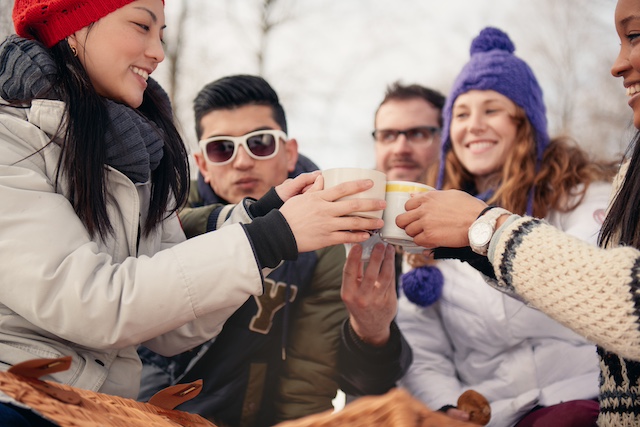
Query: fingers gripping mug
(397, 194)
(333, 177)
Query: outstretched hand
(440, 218)
(318, 219)
(370, 295)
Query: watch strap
(491, 216)
(484, 211)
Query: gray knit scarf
(134, 143)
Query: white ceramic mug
(333, 177)
(397, 194)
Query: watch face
(480, 234)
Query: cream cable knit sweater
(591, 290)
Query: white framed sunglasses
(259, 144)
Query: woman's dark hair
(622, 224)
(83, 156)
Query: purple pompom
(423, 285)
(492, 38)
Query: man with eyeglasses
(407, 132)
(285, 354)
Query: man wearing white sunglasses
(268, 156)
(285, 354)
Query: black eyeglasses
(260, 145)
(417, 135)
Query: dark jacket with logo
(282, 355)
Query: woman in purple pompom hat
(496, 147)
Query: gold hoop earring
(74, 50)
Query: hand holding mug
(440, 218)
(397, 194)
(337, 176)
(324, 217)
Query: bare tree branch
(175, 49)
(583, 100)
(6, 24)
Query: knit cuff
(496, 236)
(265, 204)
(272, 239)
(375, 354)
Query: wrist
(377, 339)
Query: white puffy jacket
(476, 337)
(64, 293)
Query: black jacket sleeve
(479, 262)
(366, 369)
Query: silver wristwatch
(481, 231)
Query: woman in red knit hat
(92, 170)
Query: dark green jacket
(275, 361)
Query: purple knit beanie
(494, 67)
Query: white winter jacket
(64, 293)
(476, 337)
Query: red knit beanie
(50, 21)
